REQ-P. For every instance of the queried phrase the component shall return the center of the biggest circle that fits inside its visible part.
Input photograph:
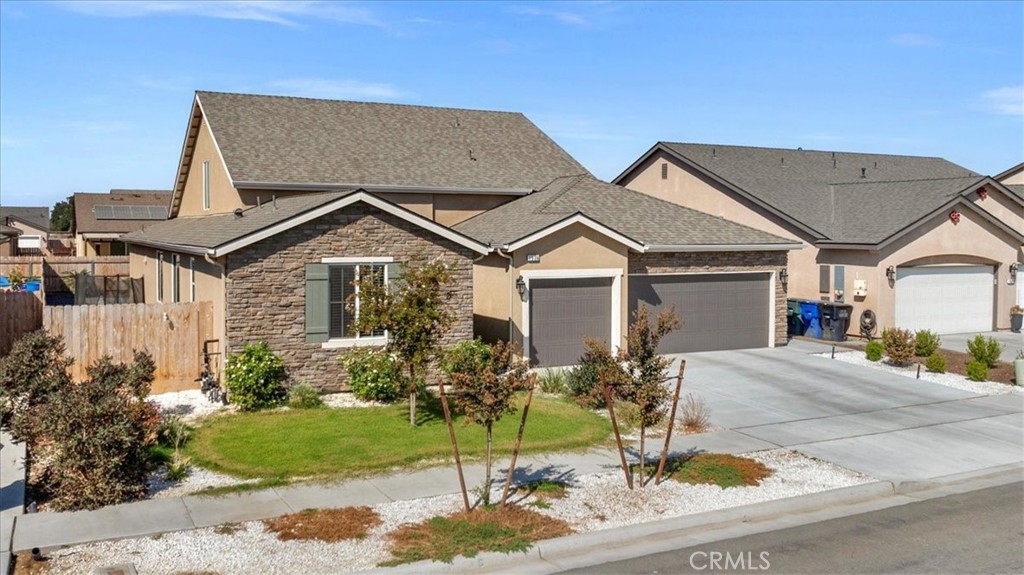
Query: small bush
(34, 371)
(985, 349)
(696, 414)
(467, 356)
(255, 378)
(373, 374)
(977, 370)
(874, 350)
(627, 414)
(304, 396)
(926, 342)
(584, 381)
(553, 381)
(898, 344)
(936, 363)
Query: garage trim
(616, 302)
(771, 290)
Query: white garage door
(945, 299)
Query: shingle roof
(1017, 189)
(640, 217)
(9, 231)
(894, 191)
(307, 141)
(38, 218)
(214, 230)
(85, 204)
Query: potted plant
(1018, 367)
(1016, 318)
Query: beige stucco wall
(450, 209)
(223, 196)
(209, 281)
(493, 291)
(937, 241)
(1015, 178)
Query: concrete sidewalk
(12, 493)
(889, 427)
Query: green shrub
(977, 370)
(985, 349)
(874, 350)
(627, 414)
(584, 380)
(304, 396)
(33, 372)
(99, 435)
(553, 381)
(926, 342)
(255, 378)
(936, 363)
(898, 344)
(467, 356)
(373, 374)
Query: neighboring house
(100, 219)
(1013, 179)
(922, 242)
(280, 203)
(8, 239)
(34, 224)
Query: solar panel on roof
(130, 212)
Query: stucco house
(34, 224)
(1013, 179)
(920, 241)
(281, 202)
(100, 219)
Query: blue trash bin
(32, 285)
(810, 311)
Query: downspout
(224, 312)
(511, 288)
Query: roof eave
(181, 248)
(723, 247)
(313, 186)
(574, 218)
(1009, 171)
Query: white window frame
(175, 278)
(206, 184)
(358, 340)
(192, 279)
(159, 277)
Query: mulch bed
(956, 362)
(330, 525)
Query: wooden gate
(172, 333)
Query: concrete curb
(598, 547)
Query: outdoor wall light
(784, 277)
(1014, 266)
(521, 286)
(890, 273)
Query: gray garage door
(719, 311)
(562, 312)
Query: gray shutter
(317, 313)
(394, 274)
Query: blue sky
(96, 95)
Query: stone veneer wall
(697, 262)
(265, 291)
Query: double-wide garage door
(719, 311)
(945, 299)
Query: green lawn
(354, 441)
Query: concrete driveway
(884, 425)
(1014, 342)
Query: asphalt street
(976, 532)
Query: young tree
(484, 380)
(415, 313)
(62, 216)
(645, 370)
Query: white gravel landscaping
(947, 379)
(594, 502)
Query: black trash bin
(835, 321)
(794, 321)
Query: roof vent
(274, 200)
(238, 212)
(863, 173)
(833, 163)
(876, 165)
(714, 153)
(782, 161)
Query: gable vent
(664, 170)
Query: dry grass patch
(504, 529)
(24, 564)
(329, 525)
(719, 469)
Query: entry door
(563, 312)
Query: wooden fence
(58, 272)
(172, 333)
(20, 313)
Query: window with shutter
(332, 299)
